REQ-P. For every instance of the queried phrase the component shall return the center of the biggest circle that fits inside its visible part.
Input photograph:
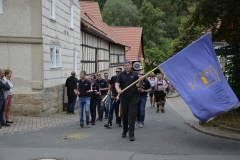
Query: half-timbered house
(102, 49)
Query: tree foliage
(222, 18)
(120, 13)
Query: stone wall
(42, 103)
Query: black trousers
(129, 113)
(71, 104)
(114, 106)
(93, 107)
(100, 106)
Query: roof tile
(132, 37)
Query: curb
(229, 128)
(211, 133)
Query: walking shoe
(98, 119)
(108, 125)
(153, 106)
(157, 111)
(124, 135)
(162, 110)
(117, 122)
(9, 121)
(92, 122)
(138, 123)
(119, 125)
(141, 125)
(88, 126)
(131, 138)
(81, 126)
(5, 124)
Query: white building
(40, 42)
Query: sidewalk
(24, 124)
(179, 105)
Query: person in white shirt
(152, 79)
(160, 92)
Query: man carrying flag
(196, 74)
(128, 98)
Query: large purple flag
(196, 74)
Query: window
(71, 15)
(75, 61)
(52, 9)
(55, 57)
(1, 7)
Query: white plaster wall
(59, 32)
(17, 57)
(16, 18)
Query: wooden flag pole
(133, 82)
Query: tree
(155, 44)
(120, 13)
(222, 18)
(188, 33)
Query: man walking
(146, 87)
(4, 87)
(114, 103)
(103, 92)
(83, 86)
(152, 80)
(108, 100)
(160, 92)
(95, 92)
(128, 98)
(71, 84)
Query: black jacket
(70, 84)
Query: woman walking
(8, 75)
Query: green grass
(229, 119)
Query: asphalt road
(164, 136)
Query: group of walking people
(125, 94)
(6, 96)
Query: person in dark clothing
(146, 87)
(95, 92)
(128, 98)
(114, 103)
(103, 92)
(108, 100)
(83, 89)
(4, 87)
(70, 84)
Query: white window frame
(55, 57)
(71, 13)
(1, 7)
(75, 61)
(52, 9)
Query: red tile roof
(132, 36)
(91, 18)
(91, 8)
(102, 29)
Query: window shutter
(54, 14)
(75, 61)
(1, 7)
